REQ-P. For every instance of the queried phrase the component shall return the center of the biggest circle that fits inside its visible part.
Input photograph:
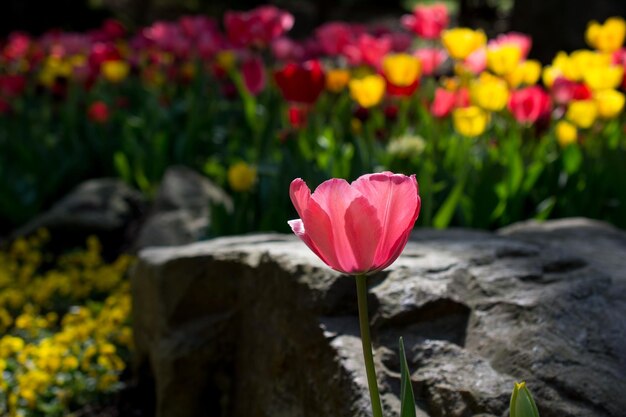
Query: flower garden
(492, 136)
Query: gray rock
(181, 210)
(107, 208)
(258, 326)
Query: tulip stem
(361, 291)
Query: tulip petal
(300, 194)
(334, 197)
(363, 231)
(297, 226)
(397, 204)
(319, 231)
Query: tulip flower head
(607, 37)
(257, 27)
(490, 93)
(470, 121)
(253, 74)
(427, 21)
(402, 72)
(460, 42)
(431, 59)
(337, 80)
(610, 103)
(241, 176)
(301, 83)
(528, 104)
(582, 113)
(367, 91)
(115, 71)
(566, 133)
(503, 59)
(357, 228)
(98, 112)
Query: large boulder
(258, 326)
(105, 207)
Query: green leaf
(407, 400)
(522, 402)
(445, 213)
(122, 167)
(572, 158)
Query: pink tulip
(445, 101)
(368, 50)
(253, 73)
(427, 21)
(360, 227)
(476, 62)
(333, 37)
(522, 41)
(431, 59)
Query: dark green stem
(364, 323)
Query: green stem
(361, 291)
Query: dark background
(554, 24)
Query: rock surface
(258, 326)
(181, 210)
(107, 208)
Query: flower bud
(522, 403)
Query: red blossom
(301, 83)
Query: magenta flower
(431, 59)
(253, 74)
(257, 27)
(360, 227)
(427, 21)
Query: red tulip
(368, 50)
(427, 21)
(529, 104)
(563, 91)
(257, 27)
(301, 83)
(98, 112)
(12, 85)
(360, 227)
(445, 101)
(253, 73)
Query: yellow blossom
(504, 59)
(604, 77)
(401, 69)
(470, 121)
(226, 59)
(367, 91)
(527, 72)
(609, 102)
(461, 42)
(489, 92)
(241, 176)
(582, 113)
(337, 80)
(607, 37)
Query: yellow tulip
(401, 69)
(115, 71)
(504, 59)
(607, 37)
(609, 102)
(337, 80)
(470, 121)
(566, 133)
(460, 42)
(489, 92)
(527, 72)
(582, 113)
(226, 59)
(549, 74)
(603, 78)
(367, 91)
(241, 176)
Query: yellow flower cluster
(66, 331)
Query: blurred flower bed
(65, 328)
(493, 136)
